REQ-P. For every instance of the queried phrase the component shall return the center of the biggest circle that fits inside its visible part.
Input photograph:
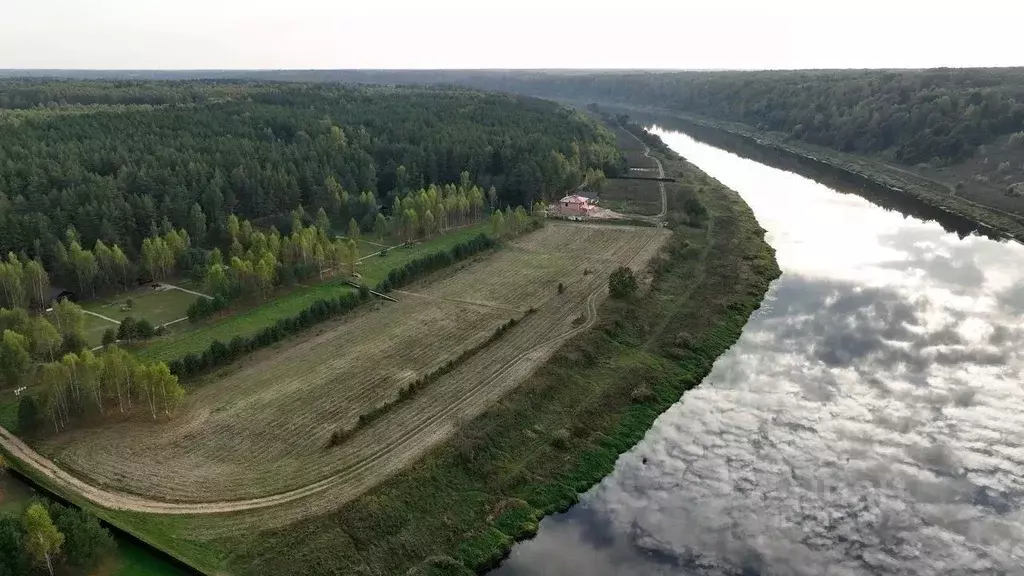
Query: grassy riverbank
(464, 505)
(900, 185)
(460, 508)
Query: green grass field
(157, 306)
(375, 268)
(94, 329)
(186, 337)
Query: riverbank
(887, 185)
(561, 431)
(462, 507)
(128, 558)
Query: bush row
(219, 353)
(367, 418)
(420, 267)
(206, 307)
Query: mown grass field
(159, 306)
(265, 428)
(186, 337)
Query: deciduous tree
(42, 540)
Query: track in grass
(258, 437)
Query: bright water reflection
(869, 421)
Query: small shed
(57, 294)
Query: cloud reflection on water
(869, 421)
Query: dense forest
(83, 162)
(912, 116)
(938, 116)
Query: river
(870, 419)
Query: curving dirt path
(121, 501)
(661, 185)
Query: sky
(679, 34)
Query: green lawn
(185, 337)
(157, 306)
(94, 329)
(375, 268)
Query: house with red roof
(574, 206)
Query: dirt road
(122, 501)
(660, 216)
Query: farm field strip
(258, 437)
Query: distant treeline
(911, 116)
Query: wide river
(870, 420)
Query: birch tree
(42, 539)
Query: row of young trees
(28, 339)
(437, 209)
(25, 283)
(47, 353)
(22, 281)
(87, 384)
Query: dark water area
(870, 420)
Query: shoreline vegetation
(935, 197)
(460, 509)
(887, 185)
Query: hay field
(262, 432)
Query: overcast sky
(264, 34)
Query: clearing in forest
(265, 429)
(186, 337)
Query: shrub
(641, 394)
(1016, 140)
(622, 283)
(337, 437)
(127, 331)
(144, 329)
(86, 541)
(560, 439)
(73, 342)
(561, 288)
(206, 307)
(1003, 167)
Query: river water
(870, 420)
